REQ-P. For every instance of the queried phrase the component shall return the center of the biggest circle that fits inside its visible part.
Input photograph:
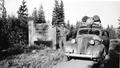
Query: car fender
(97, 49)
(72, 46)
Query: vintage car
(92, 43)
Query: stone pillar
(31, 32)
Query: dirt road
(75, 63)
(113, 62)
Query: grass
(46, 58)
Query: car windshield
(96, 32)
(83, 31)
(87, 31)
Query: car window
(83, 31)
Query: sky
(109, 11)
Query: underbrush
(19, 49)
(46, 58)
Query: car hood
(83, 43)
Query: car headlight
(68, 50)
(73, 41)
(92, 42)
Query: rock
(33, 51)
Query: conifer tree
(58, 13)
(61, 11)
(55, 13)
(22, 23)
(118, 32)
(112, 33)
(22, 12)
(41, 16)
(34, 15)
